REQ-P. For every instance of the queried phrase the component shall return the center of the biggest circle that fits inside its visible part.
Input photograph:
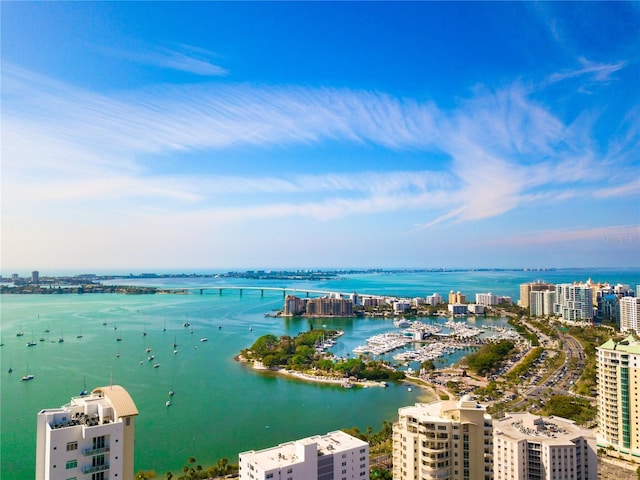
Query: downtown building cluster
(92, 438)
(583, 302)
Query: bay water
(221, 407)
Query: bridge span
(284, 291)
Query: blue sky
(161, 135)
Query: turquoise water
(221, 407)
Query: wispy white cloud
(65, 144)
(594, 71)
(183, 58)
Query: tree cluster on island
(300, 353)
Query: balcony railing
(95, 468)
(87, 452)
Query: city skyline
(310, 135)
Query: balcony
(95, 468)
(88, 452)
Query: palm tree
(168, 475)
(222, 465)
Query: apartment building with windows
(574, 301)
(457, 297)
(618, 401)
(447, 440)
(327, 306)
(90, 438)
(541, 302)
(542, 448)
(334, 456)
(629, 314)
(527, 288)
(433, 300)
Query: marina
(435, 341)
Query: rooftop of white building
(429, 411)
(103, 405)
(287, 453)
(550, 430)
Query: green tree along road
(574, 408)
(489, 357)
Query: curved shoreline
(341, 381)
(430, 391)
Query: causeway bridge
(285, 290)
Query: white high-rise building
(435, 299)
(574, 301)
(618, 400)
(487, 299)
(541, 302)
(334, 456)
(629, 310)
(448, 440)
(544, 448)
(90, 438)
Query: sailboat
(28, 376)
(32, 343)
(20, 333)
(164, 325)
(61, 339)
(80, 334)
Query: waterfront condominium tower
(334, 456)
(618, 401)
(447, 440)
(542, 448)
(90, 438)
(527, 288)
(574, 301)
(629, 314)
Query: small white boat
(204, 339)
(171, 392)
(28, 376)
(156, 365)
(167, 403)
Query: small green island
(305, 356)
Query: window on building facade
(72, 446)
(72, 464)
